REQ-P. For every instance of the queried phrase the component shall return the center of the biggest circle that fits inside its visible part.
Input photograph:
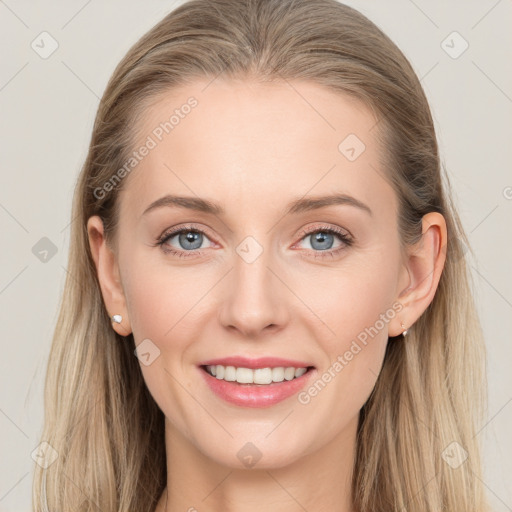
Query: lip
(259, 362)
(256, 395)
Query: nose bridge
(254, 299)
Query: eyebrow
(296, 206)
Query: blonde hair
(99, 416)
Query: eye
(184, 241)
(187, 241)
(322, 239)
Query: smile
(255, 387)
(254, 376)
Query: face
(259, 269)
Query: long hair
(416, 445)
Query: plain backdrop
(461, 50)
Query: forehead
(252, 142)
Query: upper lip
(253, 363)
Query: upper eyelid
(336, 230)
(183, 229)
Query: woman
(267, 305)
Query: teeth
(257, 376)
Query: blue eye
(190, 241)
(189, 237)
(321, 240)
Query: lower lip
(256, 395)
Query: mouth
(255, 376)
(255, 387)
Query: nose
(255, 299)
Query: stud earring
(404, 333)
(117, 319)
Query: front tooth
(230, 373)
(262, 376)
(300, 371)
(257, 376)
(278, 374)
(219, 371)
(289, 373)
(244, 376)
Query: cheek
(351, 299)
(158, 296)
(159, 299)
(355, 305)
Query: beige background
(48, 106)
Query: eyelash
(346, 239)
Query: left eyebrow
(314, 203)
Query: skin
(253, 148)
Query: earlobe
(425, 263)
(108, 276)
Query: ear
(421, 272)
(108, 275)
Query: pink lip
(256, 395)
(260, 362)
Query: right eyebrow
(192, 203)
